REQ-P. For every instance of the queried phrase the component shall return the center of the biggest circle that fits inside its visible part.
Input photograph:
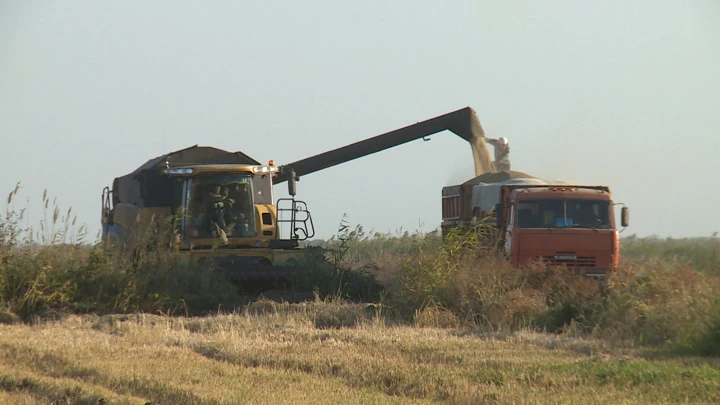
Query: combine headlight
(264, 169)
(179, 171)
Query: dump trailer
(214, 206)
(559, 223)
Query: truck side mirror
(625, 216)
(499, 214)
(292, 186)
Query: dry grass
(280, 353)
(702, 253)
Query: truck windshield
(220, 203)
(564, 213)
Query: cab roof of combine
(197, 155)
(129, 188)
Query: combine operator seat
(294, 216)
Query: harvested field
(327, 352)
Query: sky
(616, 93)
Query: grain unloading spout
(464, 123)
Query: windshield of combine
(220, 203)
(571, 213)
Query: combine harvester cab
(559, 223)
(214, 207)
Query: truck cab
(534, 220)
(571, 226)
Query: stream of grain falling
(481, 156)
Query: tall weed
(337, 274)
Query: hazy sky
(624, 94)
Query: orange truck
(560, 223)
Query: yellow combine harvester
(214, 206)
(217, 206)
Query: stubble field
(274, 353)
